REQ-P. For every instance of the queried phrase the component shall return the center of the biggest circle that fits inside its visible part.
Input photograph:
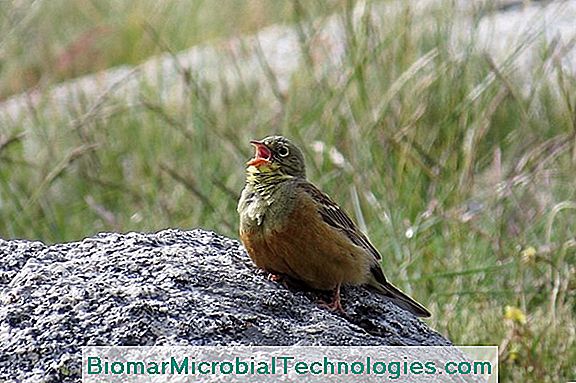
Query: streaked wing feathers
(337, 218)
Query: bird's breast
(291, 238)
(264, 211)
(255, 211)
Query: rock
(169, 288)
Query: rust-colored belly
(306, 248)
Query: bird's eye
(283, 151)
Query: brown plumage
(291, 228)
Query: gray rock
(169, 288)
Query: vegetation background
(462, 175)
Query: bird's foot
(336, 304)
(279, 278)
(275, 277)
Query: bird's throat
(265, 179)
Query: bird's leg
(275, 277)
(279, 278)
(336, 304)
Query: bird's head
(276, 154)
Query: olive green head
(277, 154)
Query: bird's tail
(392, 292)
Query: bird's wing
(337, 218)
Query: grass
(460, 169)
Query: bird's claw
(275, 277)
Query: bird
(292, 229)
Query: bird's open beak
(262, 154)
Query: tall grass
(460, 168)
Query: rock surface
(169, 288)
